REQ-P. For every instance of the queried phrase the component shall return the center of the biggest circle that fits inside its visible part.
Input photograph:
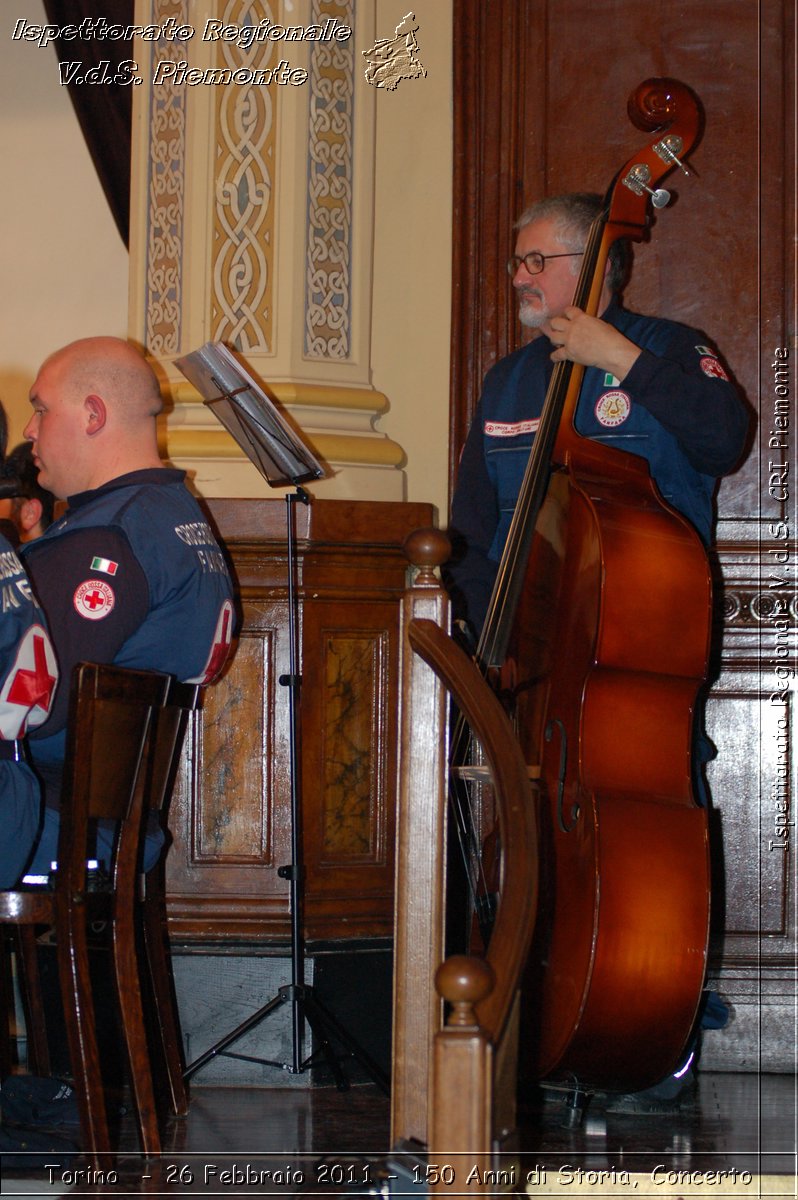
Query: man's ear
(30, 513)
(96, 413)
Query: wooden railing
(454, 1083)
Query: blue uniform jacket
(676, 408)
(132, 574)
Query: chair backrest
(111, 713)
(169, 733)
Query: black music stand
(273, 446)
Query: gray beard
(532, 318)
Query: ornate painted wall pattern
(329, 246)
(163, 292)
(246, 137)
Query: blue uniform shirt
(131, 574)
(676, 407)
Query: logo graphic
(28, 689)
(390, 60)
(107, 565)
(222, 637)
(711, 367)
(94, 599)
(613, 408)
(510, 429)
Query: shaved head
(111, 368)
(94, 407)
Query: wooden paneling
(231, 816)
(544, 111)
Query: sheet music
(247, 413)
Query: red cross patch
(94, 599)
(223, 635)
(27, 691)
(711, 367)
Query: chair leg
(30, 987)
(135, 1035)
(73, 970)
(7, 1056)
(163, 991)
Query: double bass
(599, 626)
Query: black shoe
(674, 1094)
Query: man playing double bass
(651, 387)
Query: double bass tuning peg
(669, 148)
(660, 198)
(637, 181)
(638, 177)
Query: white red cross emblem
(94, 599)
(27, 691)
(711, 367)
(223, 636)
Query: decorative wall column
(252, 224)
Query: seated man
(131, 573)
(28, 676)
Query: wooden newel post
(461, 1119)
(420, 840)
(426, 550)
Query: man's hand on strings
(591, 342)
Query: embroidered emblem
(510, 429)
(612, 408)
(94, 599)
(223, 636)
(711, 367)
(28, 688)
(611, 380)
(107, 565)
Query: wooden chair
(171, 725)
(112, 712)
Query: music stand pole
(295, 872)
(304, 1005)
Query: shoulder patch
(106, 565)
(612, 408)
(94, 599)
(711, 367)
(27, 690)
(222, 638)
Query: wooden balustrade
(420, 848)
(454, 1084)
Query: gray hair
(573, 213)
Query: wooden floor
(321, 1141)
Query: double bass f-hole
(574, 814)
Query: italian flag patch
(104, 564)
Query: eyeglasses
(535, 261)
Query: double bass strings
(492, 645)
